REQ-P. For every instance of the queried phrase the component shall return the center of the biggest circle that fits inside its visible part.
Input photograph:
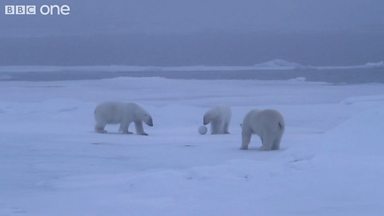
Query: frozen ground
(53, 164)
(276, 69)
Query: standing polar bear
(268, 124)
(219, 117)
(123, 114)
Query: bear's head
(206, 120)
(147, 119)
(209, 116)
(141, 114)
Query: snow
(53, 163)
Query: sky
(191, 16)
(195, 32)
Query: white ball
(203, 130)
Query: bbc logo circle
(44, 10)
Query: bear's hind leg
(124, 128)
(267, 143)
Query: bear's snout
(150, 122)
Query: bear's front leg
(276, 143)
(99, 128)
(139, 128)
(226, 131)
(246, 139)
(215, 127)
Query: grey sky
(196, 32)
(184, 16)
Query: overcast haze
(180, 16)
(359, 19)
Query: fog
(152, 32)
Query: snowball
(203, 130)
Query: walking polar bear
(268, 124)
(123, 114)
(219, 118)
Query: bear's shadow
(118, 133)
(258, 149)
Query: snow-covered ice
(53, 163)
(275, 64)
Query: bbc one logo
(45, 10)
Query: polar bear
(123, 114)
(219, 117)
(268, 124)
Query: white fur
(267, 124)
(219, 117)
(123, 114)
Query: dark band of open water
(336, 76)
